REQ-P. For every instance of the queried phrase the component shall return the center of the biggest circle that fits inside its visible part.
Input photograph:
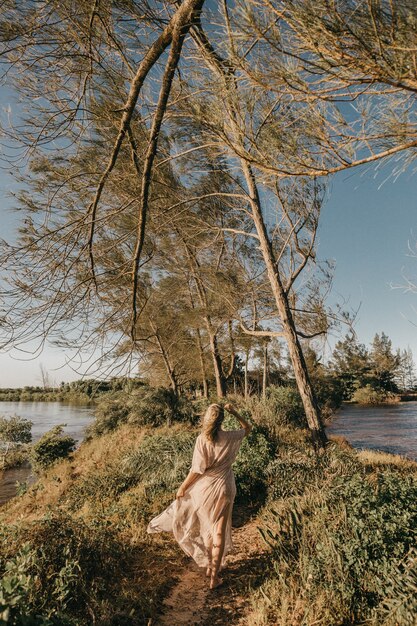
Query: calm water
(391, 428)
(44, 416)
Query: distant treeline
(77, 391)
(374, 374)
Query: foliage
(373, 395)
(21, 584)
(61, 571)
(158, 465)
(350, 364)
(15, 429)
(51, 447)
(111, 411)
(385, 364)
(285, 403)
(159, 406)
(250, 467)
(145, 406)
(339, 533)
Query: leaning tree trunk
(302, 378)
(169, 369)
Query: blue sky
(366, 225)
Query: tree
(384, 362)
(275, 122)
(350, 363)
(406, 375)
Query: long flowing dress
(192, 518)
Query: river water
(44, 415)
(389, 427)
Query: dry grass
(385, 459)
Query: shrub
(62, 569)
(52, 447)
(156, 407)
(329, 394)
(336, 551)
(282, 406)
(250, 467)
(111, 411)
(373, 395)
(142, 406)
(19, 590)
(15, 429)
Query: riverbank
(44, 416)
(334, 542)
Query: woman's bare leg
(209, 552)
(219, 539)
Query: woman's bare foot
(215, 581)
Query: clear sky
(366, 226)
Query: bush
(142, 406)
(373, 395)
(250, 467)
(111, 411)
(156, 407)
(338, 546)
(329, 394)
(282, 406)
(52, 447)
(15, 429)
(61, 571)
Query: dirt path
(191, 603)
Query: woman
(201, 515)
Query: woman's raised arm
(248, 427)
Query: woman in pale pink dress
(201, 515)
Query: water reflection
(390, 428)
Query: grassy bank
(339, 528)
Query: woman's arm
(248, 427)
(191, 478)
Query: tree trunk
(217, 363)
(202, 364)
(167, 363)
(202, 296)
(265, 372)
(302, 378)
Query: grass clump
(156, 467)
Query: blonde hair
(212, 421)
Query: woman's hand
(229, 407)
(180, 493)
